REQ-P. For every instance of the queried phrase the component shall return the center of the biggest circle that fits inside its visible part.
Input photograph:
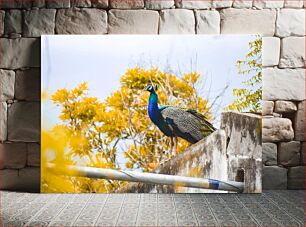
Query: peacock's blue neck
(153, 110)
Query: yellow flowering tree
(149, 146)
(96, 131)
(78, 140)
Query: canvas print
(151, 114)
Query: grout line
(122, 200)
(137, 210)
(95, 224)
(24, 195)
(194, 214)
(61, 210)
(38, 212)
(269, 214)
(195, 21)
(249, 211)
(159, 21)
(230, 211)
(173, 200)
(156, 210)
(81, 210)
(55, 16)
(274, 203)
(41, 211)
(213, 213)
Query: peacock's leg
(171, 147)
(174, 146)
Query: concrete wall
(205, 159)
(222, 155)
(281, 23)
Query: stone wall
(281, 22)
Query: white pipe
(151, 178)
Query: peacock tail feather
(206, 127)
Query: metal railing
(150, 178)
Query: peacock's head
(151, 88)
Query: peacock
(175, 122)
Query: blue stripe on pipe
(213, 184)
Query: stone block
(262, 4)
(191, 4)
(3, 121)
(24, 122)
(177, 21)
(13, 155)
(39, 22)
(303, 158)
(15, 4)
(38, 3)
(221, 3)
(33, 158)
(289, 153)
(248, 21)
(283, 84)
(27, 85)
(13, 21)
(9, 179)
(267, 107)
(159, 4)
(296, 178)
(126, 4)
(274, 177)
(81, 21)
(139, 22)
(290, 22)
(293, 4)
(276, 130)
(242, 4)
(293, 52)
(270, 51)
(99, 3)
(285, 107)
(277, 115)
(269, 154)
(208, 22)
(299, 122)
(2, 15)
(26, 179)
(80, 3)
(55, 4)
(7, 81)
(20, 53)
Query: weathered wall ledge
(223, 155)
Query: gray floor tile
(271, 208)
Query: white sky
(68, 60)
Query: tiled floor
(271, 208)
